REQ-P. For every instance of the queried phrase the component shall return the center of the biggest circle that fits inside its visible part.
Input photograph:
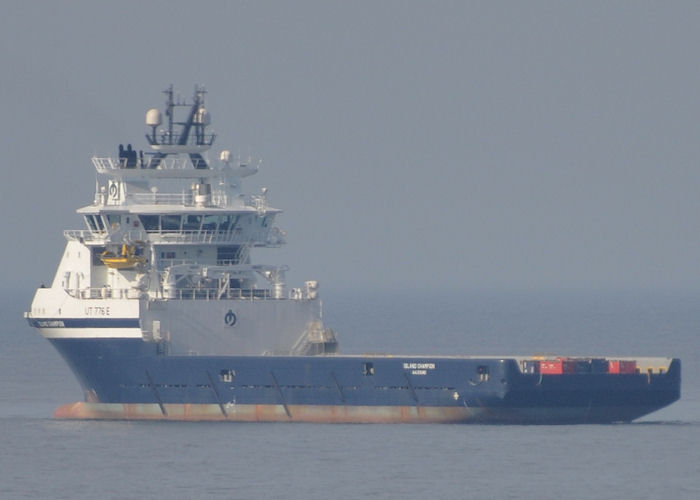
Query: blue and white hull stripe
(67, 328)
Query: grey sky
(411, 144)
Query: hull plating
(268, 413)
(130, 379)
(340, 414)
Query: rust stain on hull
(267, 413)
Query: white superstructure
(166, 253)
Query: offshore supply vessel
(160, 312)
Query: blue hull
(130, 378)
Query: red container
(557, 367)
(620, 366)
(550, 367)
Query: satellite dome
(153, 117)
(202, 117)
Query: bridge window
(210, 222)
(149, 222)
(98, 222)
(228, 222)
(90, 221)
(170, 222)
(113, 220)
(192, 222)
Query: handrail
(254, 239)
(217, 199)
(87, 235)
(209, 237)
(216, 294)
(165, 263)
(176, 294)
(186, 199)
(172, 139)
(104, 293)
(109, 163)
(83, 234)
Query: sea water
(655, 457)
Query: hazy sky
(411, 144)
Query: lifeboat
(125, 260)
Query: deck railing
(104, 293)
(176, 294)
(193, 237)
(107, 164)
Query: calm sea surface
(656, 457)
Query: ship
(161, 312)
